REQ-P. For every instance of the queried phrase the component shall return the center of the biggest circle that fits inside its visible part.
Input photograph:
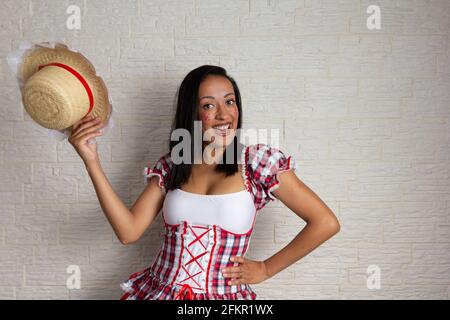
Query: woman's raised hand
(82, 131)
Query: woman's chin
(224, 142)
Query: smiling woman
(209, 210)
(208, 94)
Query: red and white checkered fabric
(192, 256)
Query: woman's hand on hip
(247, 272)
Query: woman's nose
(222, 111)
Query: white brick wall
(365, 113)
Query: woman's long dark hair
(187, 113)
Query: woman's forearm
(309, 238)
(118, 215)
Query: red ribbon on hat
(79, 77)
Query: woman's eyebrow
(213, 97)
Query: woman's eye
(209, 104)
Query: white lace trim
(291, 166)
(150, 173)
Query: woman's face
(217, 107)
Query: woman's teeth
(222, 129)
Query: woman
(209, 206)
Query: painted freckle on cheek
(206, 118)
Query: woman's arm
(321, 225)
(128, 225)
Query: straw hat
(60, 87)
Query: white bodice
(233, 212)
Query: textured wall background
(364, 112)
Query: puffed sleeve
(161, 169)
(266, 163)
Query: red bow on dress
(185, 289)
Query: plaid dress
(191, 258)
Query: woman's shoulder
(166, 159)
(162, 169)
(262, 154)
(264, 164)
(162, 165)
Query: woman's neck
(209, 159)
